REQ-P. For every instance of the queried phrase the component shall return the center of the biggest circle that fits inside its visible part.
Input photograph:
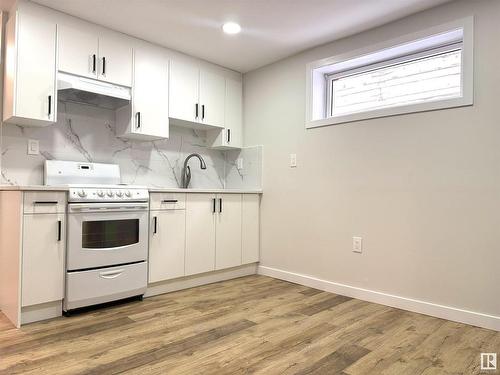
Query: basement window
(420, 74)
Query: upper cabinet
(30, 71)
(231, 135)
(146, 118)
(86, 54)
(78, 51)
(212, 92)
(183, 91)
(41, 45)
(196, 96)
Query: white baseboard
(201, 279)
(422, 307)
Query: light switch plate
(293, 160)
(33, 147)
(357, 244)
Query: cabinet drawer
(167, 201)
(44, 202)
(85, 288)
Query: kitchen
(142, 182)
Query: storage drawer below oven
(86, 288)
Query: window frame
(318, 94)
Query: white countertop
(151, 189)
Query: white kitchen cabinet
(167, 244)
(250, 228)
(104, 57)
(213, 232)
(30, 71)
(228, 231)
(146, 118)
(78, 51)
(115, 60)
(184, 91)
(197, 96)
(232, 134)
(43, 258)
(212, 96)
(200, 233)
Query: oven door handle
(111, 274)
(93, 207)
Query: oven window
(109, 233)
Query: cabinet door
(233, 114)
(150, 96)
(183, 91)
(200, 233)
(167, 245)
(36, 69)
(115, 61)
(77, 51)
(43, 258)
(250, 228)
(228, 231)
(212, 94)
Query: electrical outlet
(33, 147)
(239, 163)
(357, 244)
(293, 160)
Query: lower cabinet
(228, 231)
(200, 233)
(166, 244)
(250, 228)
(43, 255)
(195, 233)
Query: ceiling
(271, 29)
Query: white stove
(107, 241)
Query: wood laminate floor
(250, 325)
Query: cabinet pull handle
(138, 122)
(103, 66)
(228, 135)
(169, 201)
(203, 112)
(59, 230)
(155, 225)
(50, 105)
(213, 205)
(196, 111)
(45, 202)
(94, 63)
(220, 205)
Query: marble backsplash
(85, 133)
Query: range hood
(75, 89)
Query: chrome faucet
(186, 171)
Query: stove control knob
(110, 193)
(119, 193)
(100, 193)
(128, 194)
(82, 193)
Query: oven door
(105, 234)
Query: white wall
(423, 190)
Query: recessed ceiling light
(231, 28)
